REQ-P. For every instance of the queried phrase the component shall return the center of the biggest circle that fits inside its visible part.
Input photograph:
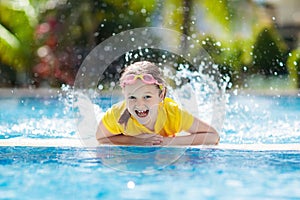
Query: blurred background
(254, 42)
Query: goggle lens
(146, 78)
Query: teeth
(142, 113)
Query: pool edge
(62, 142)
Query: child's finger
(157, 140)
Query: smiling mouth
(143, 113)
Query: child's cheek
(130, 107)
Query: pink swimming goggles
(146, 78)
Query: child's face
(142, 102)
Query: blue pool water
(137, 172)
(72, 173)
(249, 119)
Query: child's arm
(193, 139)
(201, 134)
(105, 137)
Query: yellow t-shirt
(171, 119)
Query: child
(147, 116)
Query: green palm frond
(17, 23)
(219, 11)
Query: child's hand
(149, 139)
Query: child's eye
(131, 97)
(148, 97)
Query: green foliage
(63, 32)
(219, 11)
(226, 13)
(173, 15)
(269, 53)
(75, 27)
(90, 22)
(16, 39)
(232, 57)
(293, 64)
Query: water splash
(32, 117)
(253, 119)
(249, 119)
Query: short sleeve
(111, 117)
(180, 119)
(187, 119)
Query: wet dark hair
(137, 68)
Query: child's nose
(140, 103)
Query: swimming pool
(71, 171)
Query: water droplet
(246, 108)
(235, 92)
(218, 44)
(107, 48)
(130, 12)
(281, 64)
(43, 51)
(100, 87)
(143, 11)
(131, 185)
(273, 18)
